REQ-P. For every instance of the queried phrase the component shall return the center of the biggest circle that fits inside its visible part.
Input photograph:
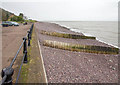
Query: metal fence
(8, 72)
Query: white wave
(86, 34)
(107, 43)
(78, 31)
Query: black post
(25, 45)
(25, 50)
(28, 38)
(8, 72)
(30, 34)
(31, 31)
(25, 58)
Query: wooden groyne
(81, 48)
(64, 35)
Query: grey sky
(65, 10)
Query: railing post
(25, 49)
(28, 38)
(25, 58)
(31, 31)
(8, 72)
(30, 34)
(25, 45)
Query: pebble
(68, 66)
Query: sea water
(104, 31)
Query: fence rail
(8, 72)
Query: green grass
(25, 67)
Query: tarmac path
(12, 38)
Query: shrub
(17, 19)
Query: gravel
(64, 66)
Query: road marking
(43, 63)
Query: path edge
(42, 63)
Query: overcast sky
(65, 10)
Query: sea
(104, 31)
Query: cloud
(66, 10)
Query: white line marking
(43, 63)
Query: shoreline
(86, 34)
(66, 66)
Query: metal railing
(8, 72)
